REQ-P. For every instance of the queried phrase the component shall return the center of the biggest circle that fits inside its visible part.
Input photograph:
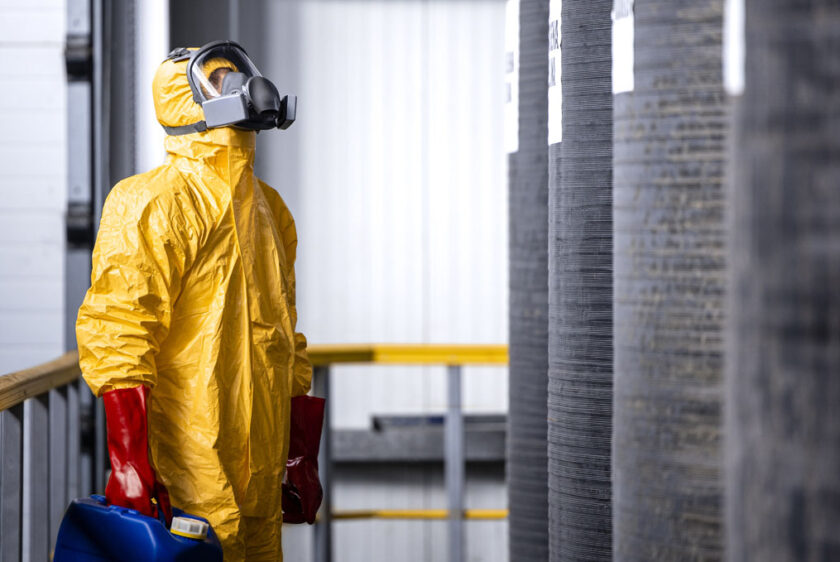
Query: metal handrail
(20, 385)
(43, 463)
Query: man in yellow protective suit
(188, 329)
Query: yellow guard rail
(399, 354)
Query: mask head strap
(198, 127)
(179, 54)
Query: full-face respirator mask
(231, 91)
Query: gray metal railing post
(87, 456)
(323, 528)
(100, 449)
(58, 459)
(11, 462)
(36, 458)
(454, 464)
(73, 443)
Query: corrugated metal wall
(33, 188)
(395, 172)
(401, 203)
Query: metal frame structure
(39, 455)
(40, 449)
(454, 357)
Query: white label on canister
(555, 88)
(189, 527)
(622, 46)
(733, 47)
(511, 110)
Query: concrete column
(580, 375)
(528, 168)
(670, 151)
(783, 388)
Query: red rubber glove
(133, 483)
(302, 492)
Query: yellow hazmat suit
(193, 295)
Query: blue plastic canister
(92, 530)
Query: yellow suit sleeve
(143, 248)
(302, 376)
(302, 372)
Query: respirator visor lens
(210, 64)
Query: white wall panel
(152, 46)
(24, 24)
(24, 4)
(31, 227)
(402, 220)
(396, 174)
(25, 295)
(32, 328)
(36, 193)
(467, 191)
(32, 261)
(418, 487)
(32, 182)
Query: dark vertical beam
(74, 431)
(670, 136)
(266, 28)
(192, 23)
(79, 217)
(528, 208)
(87, 446)
(323, 535)
(118, 137)
(580, 293)
(783, 383)
(114, 158)
(102, 464)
